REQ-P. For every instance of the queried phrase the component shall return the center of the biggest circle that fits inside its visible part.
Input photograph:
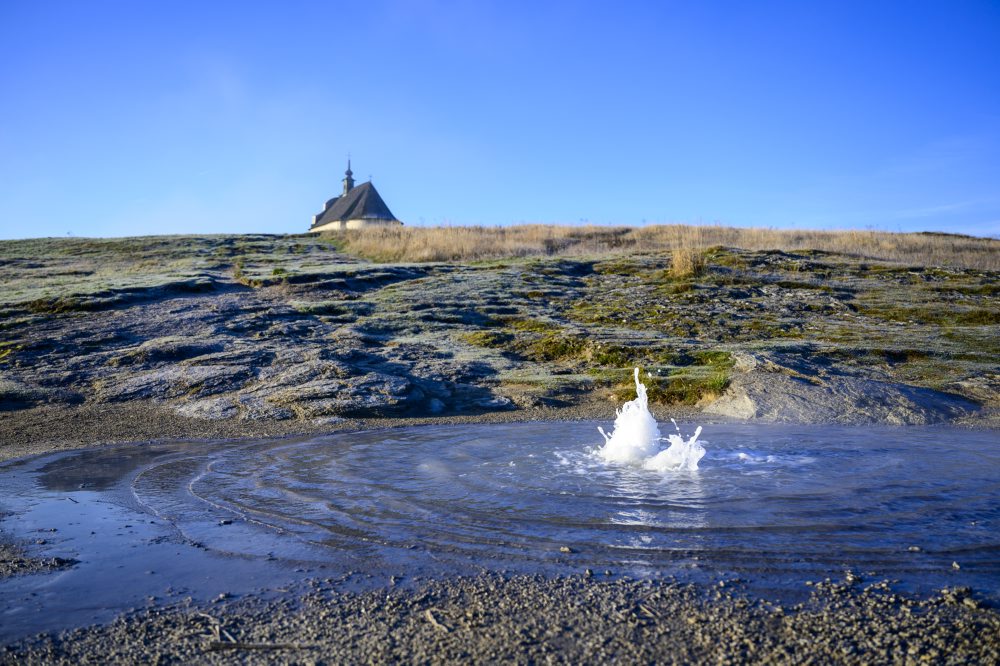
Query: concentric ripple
(770, 500)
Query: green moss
(532, 325)
(796, 284)
(58, 305)
(974, 317)
(7, 349)
(619, 266)
(971, 289)
(715, 358)
(674, 287)
(695, 376)
(332, 241)
(721, 256)
(767, 329)
(554, 347)
(678, 388)
(488, 339)
(616, 356)
(240, 276)
(320, 308)
(934, 315)
(550, 343)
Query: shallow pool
(771, 505)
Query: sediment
(569, 620)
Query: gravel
(536, 620)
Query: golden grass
(422, 244)
(686, 262)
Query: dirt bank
(53, 428)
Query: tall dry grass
(686, 262)
(423, 244)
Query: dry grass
(421, 244)
(686, 262)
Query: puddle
(772, 505)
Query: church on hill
(356, 208)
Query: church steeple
(348, 177)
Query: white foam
(636, 439)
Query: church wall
(329, 226)
(355, 224)
(360, 224)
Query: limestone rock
(776, 397)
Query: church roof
(360, 203)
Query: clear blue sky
(122, 118)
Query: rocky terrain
(235, 336)
(534, 620)
(292, 332)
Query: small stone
(565, 549)
(914, 549)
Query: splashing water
(636, 439)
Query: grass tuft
(686, 263)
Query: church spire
(348, 177)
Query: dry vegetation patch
(421, 244)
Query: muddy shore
(523, 619)
(45, 429)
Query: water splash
(636, 439)
(682, 454)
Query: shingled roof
(360, 203)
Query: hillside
(304, 332)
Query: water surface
(772, 505)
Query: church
(356, 208)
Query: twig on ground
(216, 646)
(429, 614)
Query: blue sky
(122, 118)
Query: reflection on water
(766, 498)
(771, 504)
(97, 469)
